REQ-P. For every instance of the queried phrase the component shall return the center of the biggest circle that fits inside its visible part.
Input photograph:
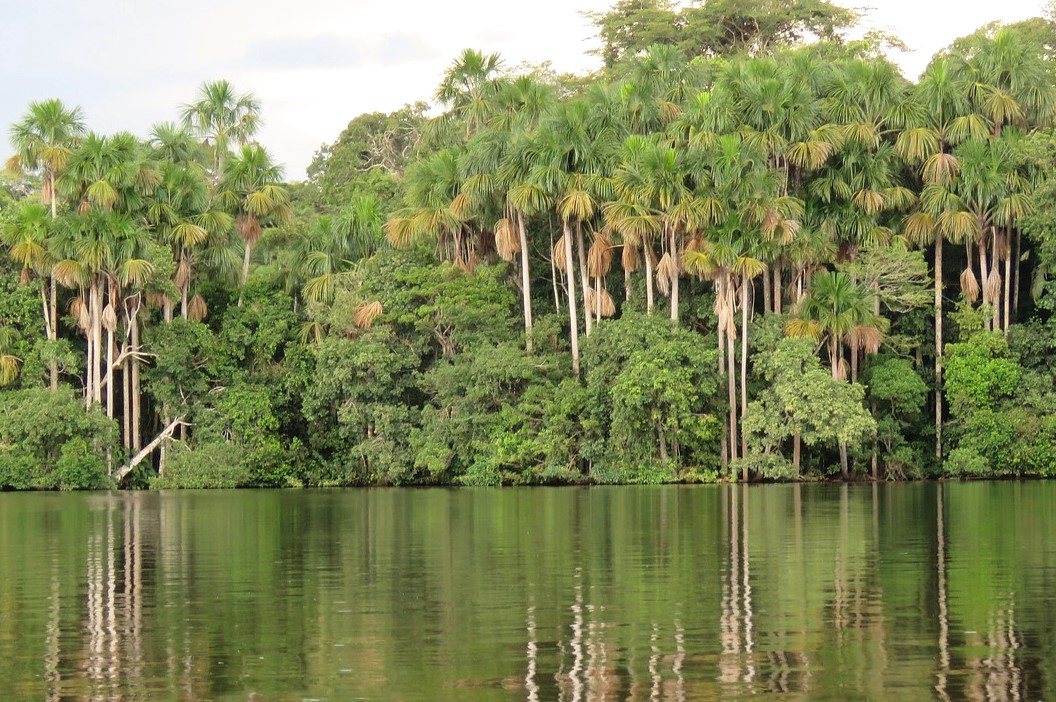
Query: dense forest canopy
(745, 249)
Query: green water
(822, 592)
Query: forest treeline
(747, 248)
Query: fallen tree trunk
(148, 449)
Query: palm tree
(223, 117)
(44, 140)
(469, 89)
(945, 121)
(835, 311)
(27, 237)
(251, 188)
(333, 245)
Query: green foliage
(979, 371)
(716, 27)
(802, 397)
(649, 387)
(48, 441)
(214, 465)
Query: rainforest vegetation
(748, 248)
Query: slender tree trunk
(673, 252)
(571, 282)
(97, 342)
(588, 318)
(996, 266)
(126, 403)
(724, 440)
(553, 275)
(166, 310)
(767, 299)
(53, 325)
(938, 347)
(875, 463)
(983, 268)
(245, 271)
(854, 363)
(777, 287)
(1019, 281)
(1008, 278)
(731, 373)
(526, 283)
(597, 300)
(626, 285)
(797, 441)
(845, 467)
(744, 370)
(647, 251)
(137, 395)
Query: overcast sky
(316, 64)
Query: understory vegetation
(752, 254)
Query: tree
(251, 187)
(44, 141)
(223, 117)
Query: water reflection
(767, 592)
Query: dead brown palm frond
(631, 258)
(471, 261)
(156, 299)
(970, 285)
(866, 338)
(603, 304)
(197, 310)
(842, 369)
(724, 315)
(599, 256)
(183, 274)
(248, 228)
(1003, 247)
(69, 274)
(665, 273)
(109, 318)
(993, 283)
(79, 311)
(366, 314)
(558, 253)
(24, 276)
(507, 239)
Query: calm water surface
(821, 592)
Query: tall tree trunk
(526, 283)
(245, 271)
(673, 252)
(1007, 250)
(597, 300)
(938, 347)
(797, 442)
(724, 439)
(777, 287)
(126, 402)
(1019, 282)
(553, 275)
(97, 341)
(53, 326)
(731, 374)
(647, 251)
(588, 318)
(137, 395)
(626, 284)
(744, 370)
(983, 268)
(767, 298)
(571, 282)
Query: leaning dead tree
(165, 434)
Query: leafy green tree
(44, 141)
(224, 118)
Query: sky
(316, 64)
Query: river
(917, 591)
